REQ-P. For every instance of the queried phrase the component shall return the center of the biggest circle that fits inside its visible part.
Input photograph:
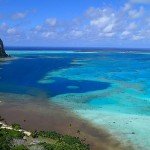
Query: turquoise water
(109, 89)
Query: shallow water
(37, 113)
(109, 89)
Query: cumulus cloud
(3, 26)
(127, 7)
(111, 34)
(109, 28)
(48, 34)
(137, 37)
(136, 13)
(51, 21)
(76, 33)
(140, 1)
(125, 33)
(96, 24)
(100, 24)
(132, 26)
(18, 15)
(11, 31)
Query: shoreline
(42, 115)
(5, 126)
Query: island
(2, 50)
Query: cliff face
(2, 50)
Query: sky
(75, 23)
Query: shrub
(6, 136)
(50, 134)
(22, 147)
(34, 134)
(16, 126)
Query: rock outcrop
(2, 50)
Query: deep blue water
(102, 49)
(22, 76)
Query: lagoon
(109, 89)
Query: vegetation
(63, 146)
(6, 136)
(16, 126)
(21, 147)
(49, 134)
(60, 142)
(64, 142)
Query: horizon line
(77, 48)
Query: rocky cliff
(2, 50)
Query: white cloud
(97, 24)
(11, 31)
(51, 21)
(3, 26)
(140, 1)
(48, 34)
(125, 33)
(106, 35)
(109, 34)
(100, 22)
(18, 15)
(106, 21)
(148, 21)
(136, 13)
(76, 33)
(96, 12)
(137, 37)
(109, 28)
(38, 27)
(127, 7)
(132, 26)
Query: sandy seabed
(37, 113)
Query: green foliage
(35, 134)
(16, 126)
(6, 137)
(11, 134)
(64, 142)
(22, 147)
(58, 146)
(64, 146)
(48, 146)
(49, 134)
(71, 140)
(4, 143)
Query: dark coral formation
(2, 50)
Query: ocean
(108, 88)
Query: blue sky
(75, 23)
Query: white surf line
(11, 52)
